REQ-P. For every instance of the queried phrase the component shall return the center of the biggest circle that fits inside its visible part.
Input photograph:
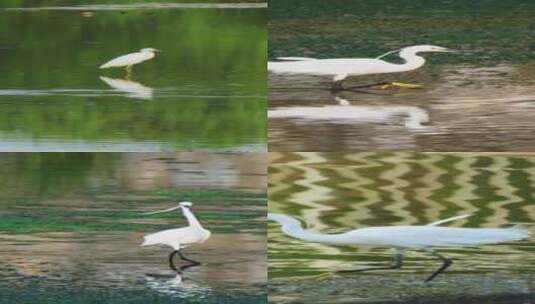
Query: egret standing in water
(405, 238)
(341, 68)
(179, 238)
(131, 59)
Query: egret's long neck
(192, 220)
(293, 228)
(412, 61)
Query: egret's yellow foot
(401, 85)
(407, 85)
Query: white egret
(179, 238)
(131, 59)
(403, 238)
(341, 68)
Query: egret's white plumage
(405, 237)
(179, 238)
(341, 68)
(131, 59)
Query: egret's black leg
(171, 262)
(128, 72)
(187, 259)
(184, 267)
(397, 263)
(445, 264)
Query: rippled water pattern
(72, 225)
(336, 192)
(479, 99)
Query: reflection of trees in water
(66, 174)
(405, 188)
(208, 53)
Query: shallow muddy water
(478, 99)
(72, 225)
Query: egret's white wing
(342, 66)
(431, 236)
(175, 238)
(128, 59)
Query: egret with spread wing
(179, 238)
(403, 238)
(341, 68)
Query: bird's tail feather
(520, 230)
(458, 217)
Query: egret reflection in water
(131, 88)
(177, 284)
(413, 118)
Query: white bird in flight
(341, 68)
(403, 238)
(131, 59)
(179, 238)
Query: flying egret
(405, 238)
(131, 59)
(179, 238)
(341, 68)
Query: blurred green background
(206, 90)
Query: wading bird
(179, 238)
(131, 59)
(341, 68)
(405, 238)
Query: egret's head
(149, 50)
(428, 48)
(185, 204)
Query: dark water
(479, 99)
(336, 192)
(72, 226)
(206, 90)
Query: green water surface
(206, 90)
